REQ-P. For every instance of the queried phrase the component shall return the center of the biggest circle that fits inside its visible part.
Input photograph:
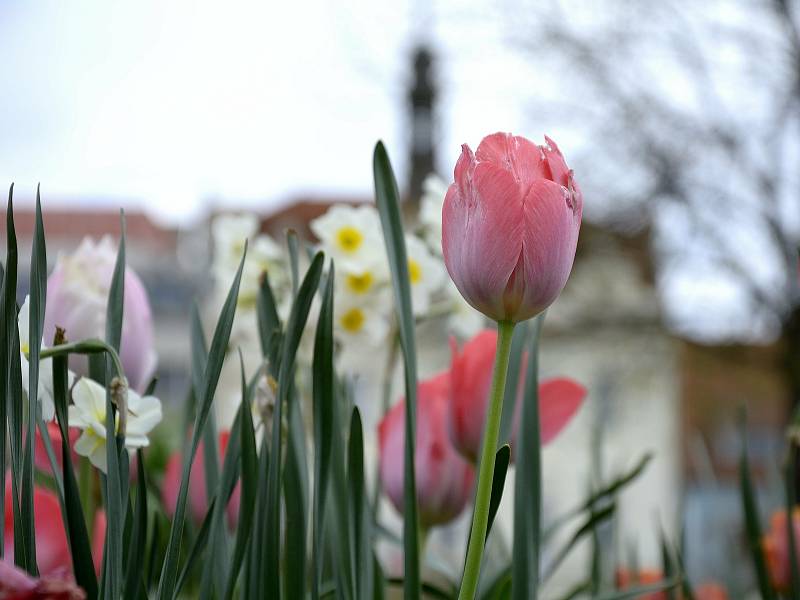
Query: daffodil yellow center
(353, 320)
(26, 349)
(359, 284)
(349, 238)
(414, 271)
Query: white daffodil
(230, 232)
(88, 412)
(45, 387)
(369, 281)
(434, 189)
(426, 272)
(360, 324)
(351, 235)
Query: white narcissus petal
(89, 414)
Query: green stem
(480, 515)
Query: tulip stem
(483, 494)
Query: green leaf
(752, 521)
(595, 518)
(8, 311)
(501, 463)
(115, 513)
(339, 541)
(216, 356)
(249, 476)
(603, 494)
(133, 578)
(360, 550)
(323, 398)
(38, 294)
(636, 592)
(388, 201)
(294, 330)
(197, 548)
(269, 324)
(528, 484)
(294, 258)
(667, 564)
(510, 394)
(77, 533)
(295, 482)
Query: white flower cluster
(88, 411)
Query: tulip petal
(556, 165)
(482, 239)
(524, 159)
(559, 400)
(551, 225)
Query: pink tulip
(53, 556)
(52, 550)
(16, 584)
(77, 293)
(510, 226)
(444, 480)
(198, 503)
(471, 373)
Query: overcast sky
(182, 106)
(175, 104)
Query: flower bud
(77, 295)
(510, 226)
(444, 480)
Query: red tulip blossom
(510, 226)
(471, 374)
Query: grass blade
(518, 343)
(323, 397)
(528, 484)
(197, 548)
(360, 550)
(501, 463)
(134, 585)
(752, 521)
(388, 201)
(295, 482)
(249, 477)
(8, 314)
(269, 324)
(216, 356)
(297, 319)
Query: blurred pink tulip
(444, 479)
(77, 293)
(198, 503)
(16, 584)
(510, 226)
(471, 373)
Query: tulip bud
(510, 226)
(471, 376)
(444, 480)
(77, 294)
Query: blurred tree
(689, 114)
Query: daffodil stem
(483, 494)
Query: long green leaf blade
(528, 484)
(294, 330)
(216, 356)
(323, 397)
(387, 198)
(752, 521)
